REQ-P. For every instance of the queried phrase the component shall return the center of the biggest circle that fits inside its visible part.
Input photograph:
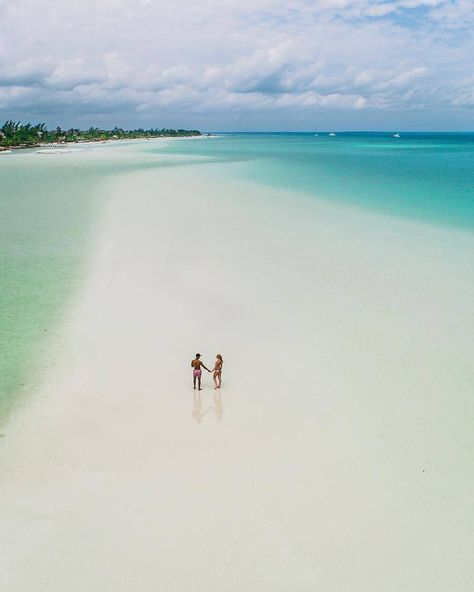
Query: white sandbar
(336, 459)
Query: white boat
(396, 135)
(316, 134)
(332, 134)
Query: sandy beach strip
(331, 460)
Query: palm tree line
(16, 134)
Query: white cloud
(132, 57)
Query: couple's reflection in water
(216, 409)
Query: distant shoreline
(15, 135)
(108, 141)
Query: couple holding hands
(196, 365)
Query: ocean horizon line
(334, 130)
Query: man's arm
(205, 367)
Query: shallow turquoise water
(424, 176)
(47, 209)
(48, 206)
(44, 210)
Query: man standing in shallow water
(196, 366)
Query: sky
(275, 65)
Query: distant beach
(17, 135)
(335, 278)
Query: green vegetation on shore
(14, 134)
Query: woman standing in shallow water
(217, 371)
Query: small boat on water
(396, 135)
(332, 134)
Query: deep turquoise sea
(48, 205)
(428, 176)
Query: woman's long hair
(220, 358)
